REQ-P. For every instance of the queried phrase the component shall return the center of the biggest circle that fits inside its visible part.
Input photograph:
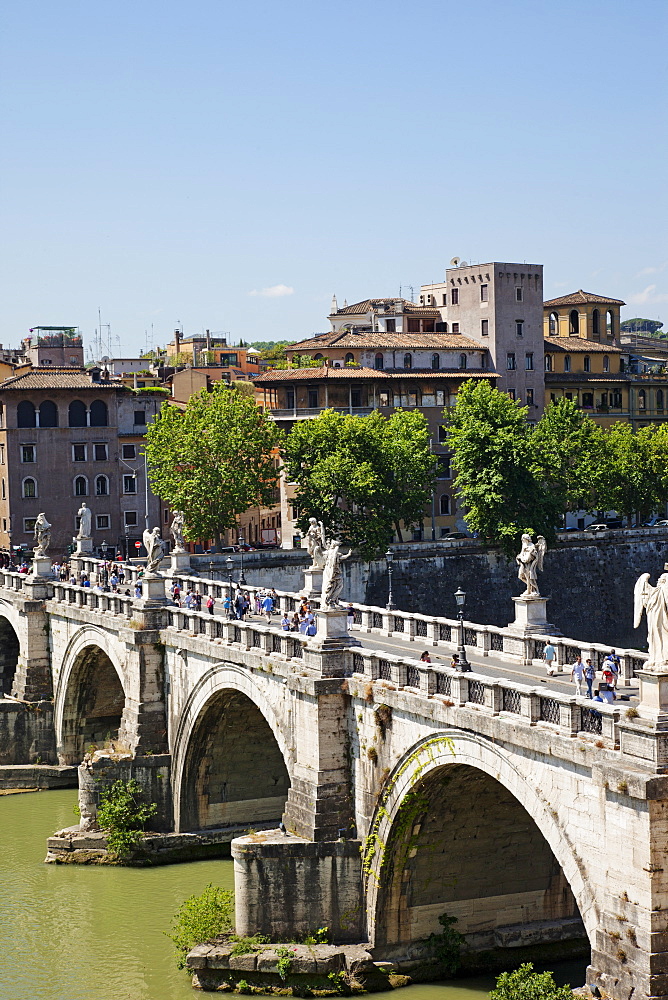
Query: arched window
(596, 324)
(25, 414)
(435, 361)
(76, 414)
(101, 486)
(567, 362)
(462, 361)
(606, 363)
(445, 503)
(609, 324)
(659, 399)
(408, 360)
(81, 486)
(574, 323)
(554, 324)
(48, 414)
(349, 359)
(378, 362)
(587, 363)
(642, 399)
(29, 488)
(98, 413)
(548, 362)
(317, 357)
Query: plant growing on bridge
(123, 816)
(200, 918)
(447, 945)
(525, 984)
(213, 460)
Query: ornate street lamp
(105, 575)
(460, 599)
(241, 542)
(229, 564)
(389, 559)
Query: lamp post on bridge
(241, 541)
(229, 564)
(462, 663)
(389, 558)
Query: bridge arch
(230, 758)
(462, 829)
(91, 694)
(10, 646)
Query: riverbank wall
(27, 734)
(588, 579)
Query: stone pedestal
(653, 701)
(153, 588)
(180, 563)
(39, 585)
(84, 547)
(531, 617)
(312, 582)
(41, 567)
(333, 631)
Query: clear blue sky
(164, 161)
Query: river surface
(71, 932)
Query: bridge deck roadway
(489, 666)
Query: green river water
(86, 933)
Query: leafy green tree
(123, 816)
(525, 984)
(566, 453)
(502, 492)
(628, 478)
(650, 327)
(201, 918)
(213, 460)
(361, 476)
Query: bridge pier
(33, 677)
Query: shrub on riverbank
(525, 984)
(123, 817)
(201, 918)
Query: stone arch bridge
(407, 790)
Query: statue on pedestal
(332, 576)
(85, 521)
(654, 602)
(176, 531)
(42, 535)
(530, 561)
(154, 549)
(316, 543)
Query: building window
(567, 362)
(462, 361)
(130, 517)
(519, 294)
(3, 493)
(455, 328)
(616, 399)
(100, 452)
(29, 525)
(27, 452)
(442, 434)
(102, 522)
(25, 414)
(98, 413)
(484, 293)
(454, 297)
(511, 394)
(548, 362)
(642, 399)
(79, 452)
(484, 328)
(529, 397)
(129, 451)
(554, 324)
(129, 484)
(290, 399)
(2, 454)
(445, 299)
(81, 486)
(140, 418)
(356, 398)
(317, 357)
(445, 503)
(574, 323)
(101, 486)
(596, 324)
(443, 470)
(519, 327)
(609, 324)
(435, 362)
(586, 363)
(76, 414)
(29, 488)
(510, 361)
(588, 400)
(378, 362)
(48, 414)
(528, 361)
(408, 360)
(606, 363)
(313, 399)
(349, 359)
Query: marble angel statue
(530, 562)
(654, 602)
(154, 549)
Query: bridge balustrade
(11, 580)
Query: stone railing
(493, 696)
(87, 597)
(248, 635)
(11, 580)
(489, 640)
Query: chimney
(177, 340)
(135, 386)
(208, 340)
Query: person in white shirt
(577, 673)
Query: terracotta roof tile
(582, 298)
(313, 374)
(366, 305)
(52, 377)
(577, 345)
(366, 339)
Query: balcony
(303, 412)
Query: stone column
(531, 617)
(33, 679)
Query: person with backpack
(268, 607)
(590, 677)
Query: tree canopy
(361, 476)
(650, 327)
(213, 460)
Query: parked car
(598, 527)
(455, 535)
(661, 524)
